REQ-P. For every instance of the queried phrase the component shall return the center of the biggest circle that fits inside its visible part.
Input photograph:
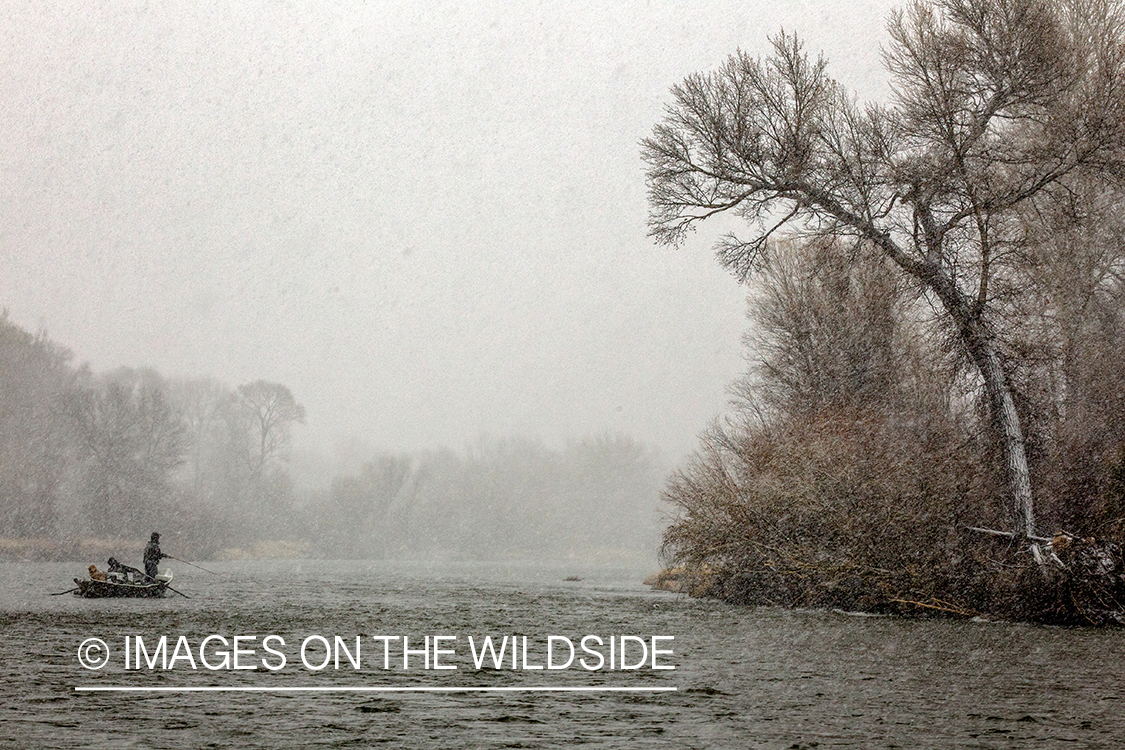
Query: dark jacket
(124, 571)
(153, 555)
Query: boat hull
(103, 589)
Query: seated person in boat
(152, 556)
(123, 573)
(95, 574)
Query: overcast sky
(426, 219)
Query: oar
(60, 593)
(185, 562)
(165, 583)
(178, 592)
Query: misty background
(425, 223)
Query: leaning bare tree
(996, 103)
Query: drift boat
(91, 589)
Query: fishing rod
(60, 593)
(185, 562)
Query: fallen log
(1009, 534)
(938, 605)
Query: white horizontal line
(364, 689)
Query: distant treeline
(596, 499)
(119, 455)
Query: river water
(743, 677)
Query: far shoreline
(97, 550)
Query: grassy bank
(98, 550)
(84, 549)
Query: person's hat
(112, 561)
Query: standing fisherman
(153, 555)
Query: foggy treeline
(595, 499)
(938, 342)
(115, 456)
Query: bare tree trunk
(980, 341)
(1012, 443)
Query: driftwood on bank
(1009, 534)
(1087, 575)
(1070, 581)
